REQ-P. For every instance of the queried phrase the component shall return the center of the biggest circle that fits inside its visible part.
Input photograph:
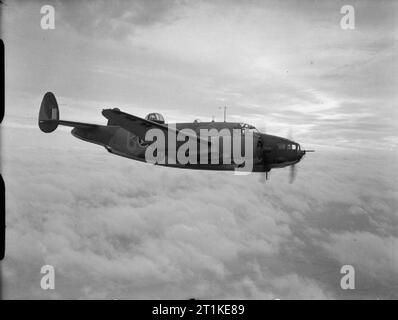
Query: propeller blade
(292, 174)
(264, 175)
(290, 134)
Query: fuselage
(267, 151)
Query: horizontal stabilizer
(77, 124)
(49, 116)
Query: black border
(2, 186)
(254, 309)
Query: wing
(139, 126)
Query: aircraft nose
(300, 154)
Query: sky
(115, 228)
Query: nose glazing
(300, 154)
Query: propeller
(292, 173)
(293, 170)
(290, 134)
(264, 174)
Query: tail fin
(49, 113)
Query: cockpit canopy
(248, 128)
(155, 117)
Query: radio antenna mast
(225, 113)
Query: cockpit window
(156, 117)
(291, 146)
(247, 128)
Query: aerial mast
(225, 113)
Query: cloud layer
(115, 228)
(276, 65)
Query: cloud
(118, 19)
(373, 257)
(115, 228)
(282, 65)
(102, 19)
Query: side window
(281, 146)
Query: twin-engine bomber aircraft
(127, 135)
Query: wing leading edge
(139, 126)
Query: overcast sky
(114, 228)
(275, 64)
